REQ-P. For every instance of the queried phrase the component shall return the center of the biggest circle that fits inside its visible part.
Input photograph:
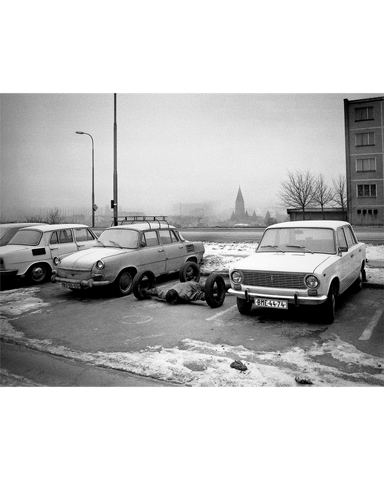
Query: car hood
(86, 258)
(282, 262)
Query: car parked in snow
(8, 230)
(300, 263)
(126, 250)
(31, 251)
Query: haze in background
(173, 149)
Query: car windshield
(119, 238)
(308, 240)
(26, 237)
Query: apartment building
(364, 145)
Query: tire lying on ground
(214, 290)
(189, 271)
(143, 280)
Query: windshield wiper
(101, 242)
(115, 243)
(273, 246)
(300, 246)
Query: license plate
(74, 286)
(267, 303)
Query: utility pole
(115, 165)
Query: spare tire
(143, 280)
(189, 271)
(215, 290)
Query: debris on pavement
(239, 365)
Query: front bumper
(293, 298)
(90, 283)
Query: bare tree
(54, 216)
(35, 219)
(298, 191)
(340, 193)
(323, 194)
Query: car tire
(358, 284)
(329, 306)
(142, 280)
(38, 273)
(189, 271)
(123, 284)
(243, 306)
(214, 290)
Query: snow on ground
(201, 364)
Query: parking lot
(194, 344)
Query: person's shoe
(144, 293)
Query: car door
(62, 242)
(152, 253)
(84, 238)
(175, 252)
(355, 254)
(344, 261)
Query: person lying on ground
(184, 292)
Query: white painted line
(366, 335)
(223, 312)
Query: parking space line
(223, 312)
(366, 335)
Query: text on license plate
(267, 303)
(71, 285)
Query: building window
(364, 139)
(366, 164)
(359, 212)
(364, 113)
(375, 212)
(367, 190)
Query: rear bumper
(294, 299)
(8, 273)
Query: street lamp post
(93, 176)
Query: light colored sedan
(126, 250)
(300, 263)
(8, 230)
(31, 250)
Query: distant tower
(239, 206)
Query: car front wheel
(243, 306)
(329, 307)
(123, 284)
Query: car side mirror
(342, 249)
(143, 244)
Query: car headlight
(56, 261)
(100, 265)
(311, 281)
(237, 277)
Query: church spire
(239, 206)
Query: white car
(300, 263)
(31, 251)
(8, 230)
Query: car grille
(274, 279)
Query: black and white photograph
(245, 207)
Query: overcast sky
(172, 148)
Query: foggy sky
(172, 148)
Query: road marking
(366, 335)
(223, 312)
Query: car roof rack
(160, 219)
